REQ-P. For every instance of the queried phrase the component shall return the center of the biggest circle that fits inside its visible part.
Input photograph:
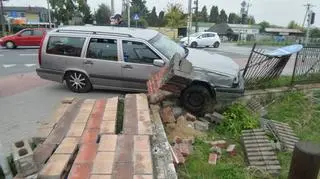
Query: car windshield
(166, 46)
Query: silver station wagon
(120, 58)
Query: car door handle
(88, 62)
(127, 66)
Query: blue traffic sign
(136, 17)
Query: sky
(278, 12)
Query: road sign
(136, 17)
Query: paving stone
(55, 168)
(109, 116)
(144, 128)
(103, 163)
(89, 136)
(87, 153)
(80, 171)
(141, 143)
(123, 170)
(130, 121)
(142, 177)
(67, 146)
(76, 130)
(142, 102)
(143, 115)
(108, 143)
(41, 135)
(125, 147)
(142, 163)
(112, 104)
(82, 117)
(108, 127)
(100, 176)
(42, 153)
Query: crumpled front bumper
(226, 95)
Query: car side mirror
(158, 63)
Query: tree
(293, 25)
(103, 14)
(85, 11)
(139, 7)
(264, 25)
(161, 21)
(234, 18)
(223, 17)
(315, 33)
(175, 17)
(203, 15)
(214, 14)
(63, 10)
(153, 18)
(251, 20)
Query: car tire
(78, 82)
(10, 45)
(216, 45)
(197, 99)
(194, 45)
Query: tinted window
(204, 35)
(69, 46)
(137, 52)
(26, 33)
(37, 33)
(105, 49)
(211, 35)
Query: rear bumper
(52, 75)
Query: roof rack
(93, 32)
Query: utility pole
(196, 2)
(49, 14)
(308, 16)
(129, 16)
(3, 21)
(112, 7)
(189, 19)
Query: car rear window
(68, 46)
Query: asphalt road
(26, 100)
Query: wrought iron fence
(307, 65)
(262, 67)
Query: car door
(102, 64)
(211, 39)
(137, 65)
(36, 37)
(23, 38)
(203, 40)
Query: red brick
(89, 136)
(94, 122)
(108, 143)
(179, 157)
(231, 149)
(167, 115)
(103, 163)
(143, 177)
(141, 143)
(177, 140)
(80, 171)
(86, 153)
(219, 143)
(185, 148)
(142, 163)
(213, 158)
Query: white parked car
(202, 39)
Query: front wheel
(194, 45)
(10, 45)
(197, 99)
(78, 82)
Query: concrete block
(23, 158)
(103, 163)
(201, 125)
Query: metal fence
(307, 65)
(261, 67)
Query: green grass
(273, 83)
(294, 108)
(120, 115)
(300, 113)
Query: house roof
(283, 30)
(244, 26)
(25, 9)
(223, 28)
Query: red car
(26, 37)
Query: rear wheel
(10, 45)
(216, 45)
(78, 82)
(194, 45)
(197, 99)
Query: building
(202, 26)
(236, 31)
(283, 32)
(26, 15)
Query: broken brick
(181, 159)
(167, 115)
(231, 149)
(201, 125)
(191, 117)
(177, 139)
(213, 159)
(219, 143)
(216, 149)
(184, 148)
